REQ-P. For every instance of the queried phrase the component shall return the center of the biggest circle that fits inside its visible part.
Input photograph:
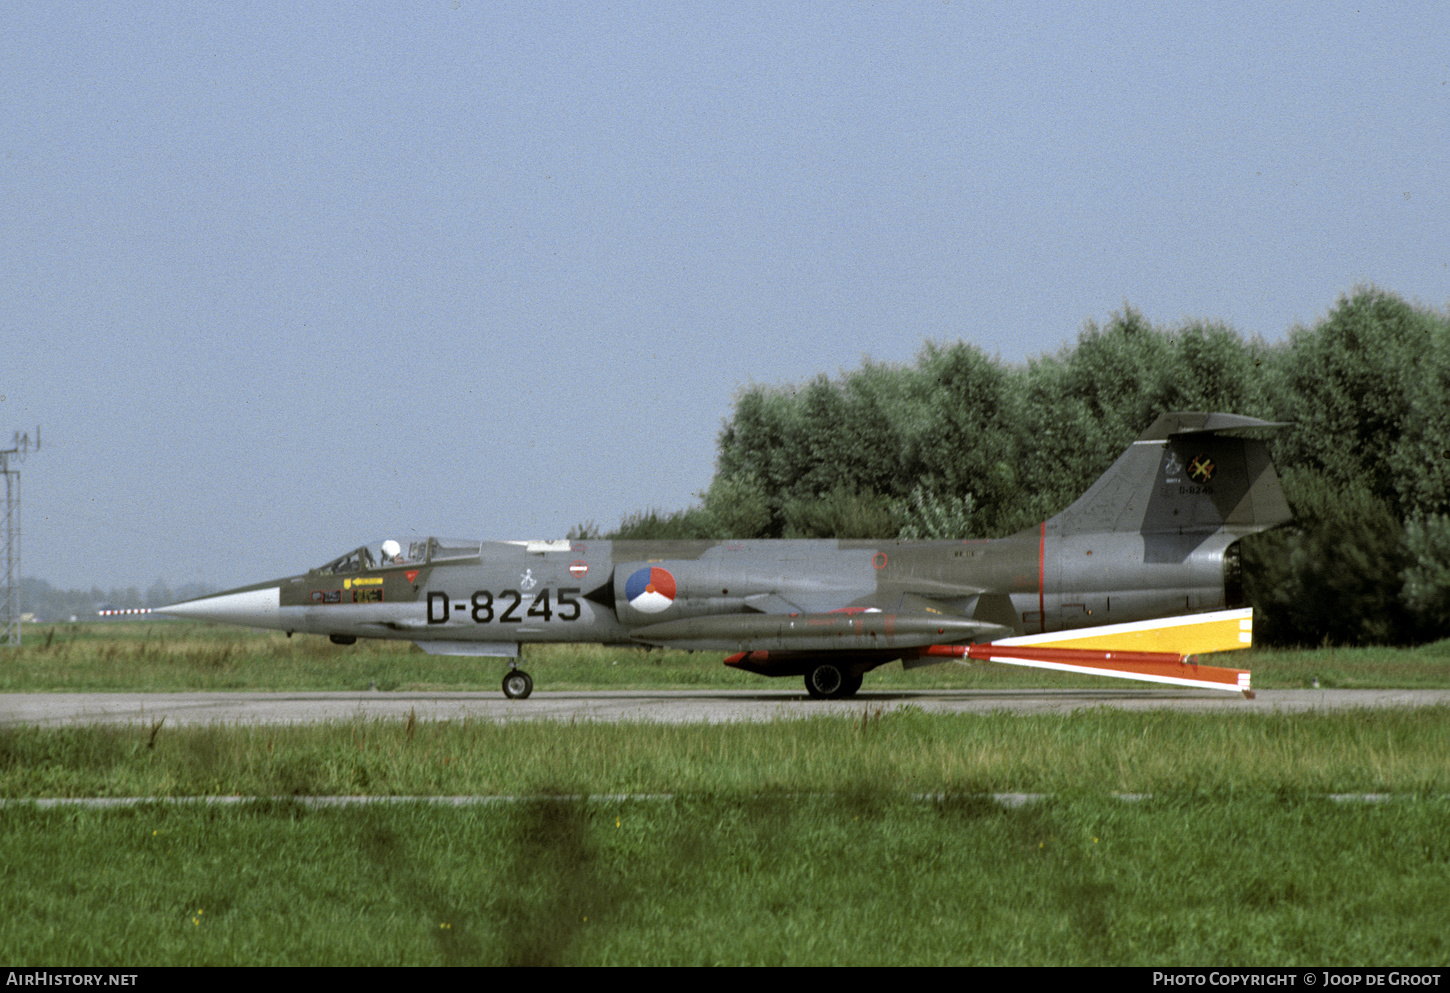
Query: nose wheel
(517, 684)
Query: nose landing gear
(517, 684)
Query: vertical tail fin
(1191, 473)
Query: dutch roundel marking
(579, 569)
(650, 590)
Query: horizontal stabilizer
(1185, 422)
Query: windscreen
(382, 554)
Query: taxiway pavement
(665, 706)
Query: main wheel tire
(852, 684)
(517, 684)
(826, 681)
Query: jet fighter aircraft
(1133, 580)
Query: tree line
(960, 444)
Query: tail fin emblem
(1201, 469)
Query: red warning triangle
(412, 574)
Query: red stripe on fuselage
(1041, 577)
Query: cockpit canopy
(392, 553)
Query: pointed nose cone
(257, 607)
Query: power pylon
(10, 595)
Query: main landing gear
(832, 681)
(517, 684)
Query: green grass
(153, 655)
(1421, 667)
(859, 879)
(869, 840)
(903, 751)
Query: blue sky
(276, 280)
